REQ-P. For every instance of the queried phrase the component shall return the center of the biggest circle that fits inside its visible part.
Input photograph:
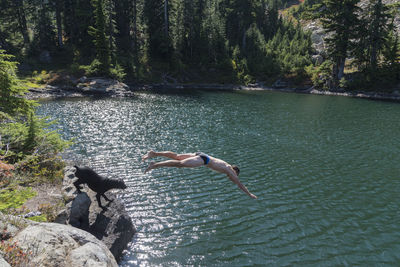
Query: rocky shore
(82, 234)
(100, 86)
(95, 86)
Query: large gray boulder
(52, 244)
(3, 262)
(112, 226)
(55, 244)
(103, 86)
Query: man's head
(236, 169)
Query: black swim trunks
(204, 157)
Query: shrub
(13, 254)
(11, 198)
(117, 72)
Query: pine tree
(21, 16)
(100, 38)
(372, 32)
(44, 33)
(13, 26)
(378, 30)
(339, 19)
(123, 20)
(79, 15)
(391, 52)
(157, 21)
(11, 90)
(58, 9)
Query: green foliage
(40, 78)
(11, 89)
(26, 137)
(340, 20)
(42, 168)
(291, 51)
(95, 69)
(374, 79)
(31, 138)
(39, 218)
(320, 75)
(102, 62)
(140, 39)
(12, 198)
(240, 67)
(372, 32)
(117, 72)
(156, 17)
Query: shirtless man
(198, 159)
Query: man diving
(192, 160)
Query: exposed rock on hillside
(318, 34)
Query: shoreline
(61, 91)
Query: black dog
(97, 183)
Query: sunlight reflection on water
(325, 170)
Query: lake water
(325, 169)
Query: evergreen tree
(58, 9)
(391, 53)
(100, 39)
(13, 26)
(340, 20)
(20, 13)
(123, 19)
(69, 21)
(213, 35)
(79, 15)
(44, 33)
(239, 15)
(372, 34)
(157, 21)
(378, 30)
(11, 91)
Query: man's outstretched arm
(235, 179)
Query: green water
(325, 170)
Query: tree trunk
(70, 26)
(341, 68)
(3, 43)
(244, 40)
(110, 32)
(166, 19)
(373, 55)
(19, 4)
(59, 24)
(135, 43)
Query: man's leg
(167, 154)
(191, 162)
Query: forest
(189, 42)
(221, 41)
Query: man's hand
(252, 196)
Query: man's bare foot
(149, 155)
(150, 167)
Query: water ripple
(325, 171)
